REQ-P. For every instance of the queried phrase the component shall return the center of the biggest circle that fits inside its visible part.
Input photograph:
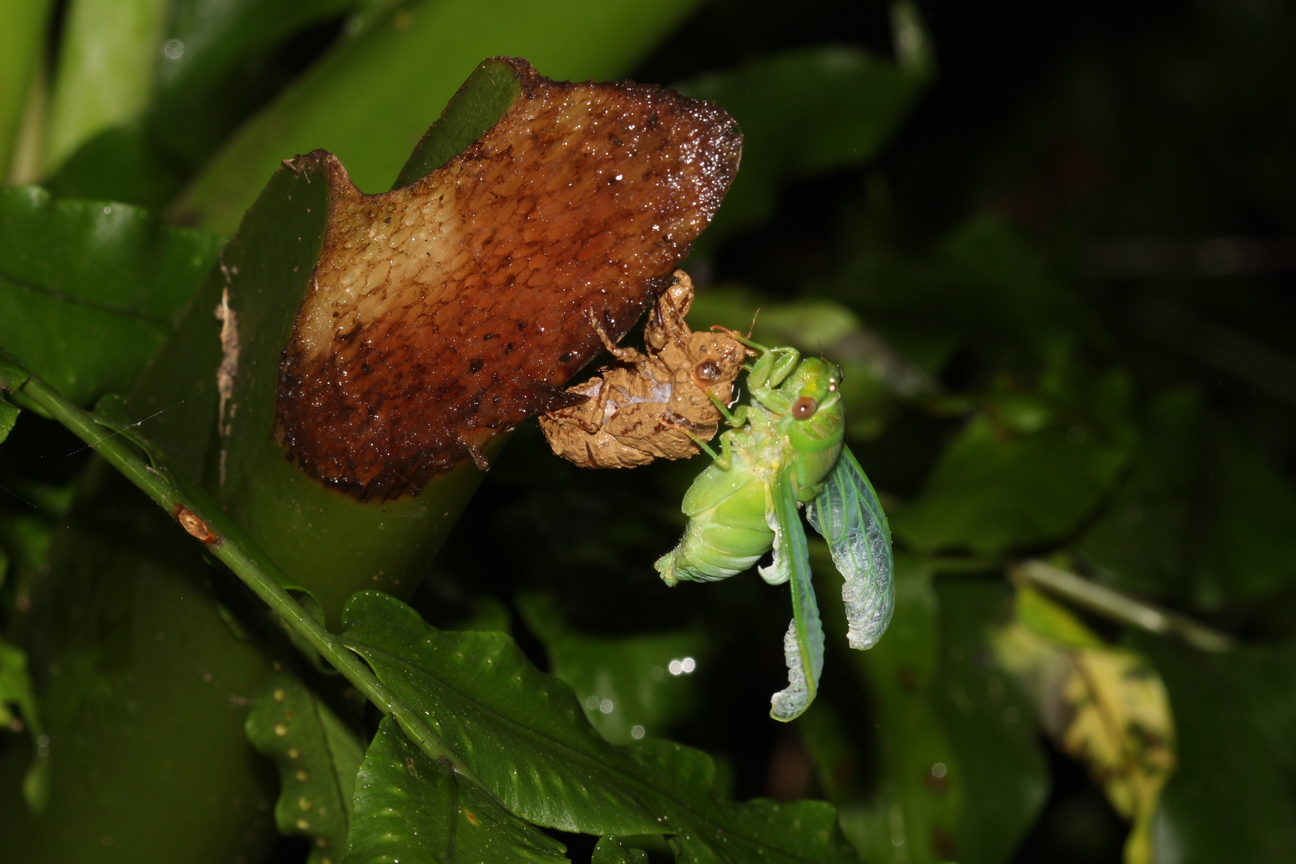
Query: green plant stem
(226, 543)
(1119, 607)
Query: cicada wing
(848, 515)
(803, 645)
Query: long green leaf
(524, 735)
(317, 756)
(22, 35)
(110, 53)
(623, 681)
(412, 809)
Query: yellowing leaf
(1104, 706)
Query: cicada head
(813, 419)
(716, 359)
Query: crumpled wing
(848, 515)
(803, 645)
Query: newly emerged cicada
(785, 451)
(650, 404)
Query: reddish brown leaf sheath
(445, 312)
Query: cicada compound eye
(804, 408)
(707, 370)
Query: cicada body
(796, 426)
(785, 451)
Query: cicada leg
(625, 355)
(771, 369)
(737, 417)
(772, 366)
(723, 459)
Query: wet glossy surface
(449, 310)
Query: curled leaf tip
(445, 312)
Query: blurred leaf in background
(1105, 707)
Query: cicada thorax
(813, 423)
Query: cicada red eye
(804, 408)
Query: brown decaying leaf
(645, 407)
(445, 312)
(1104, 706)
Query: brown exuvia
(447, 311)
(651, 404)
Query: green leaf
(479, 103)
(523, 734)
(1203, 519)
(13, 374)
(1233, 795)
(409, 808)
(175, 94)
(317, 755)
(121, 163)
(804, 113)
(995, 488)
(142, 691)
(371, 99)
(986, 288)
(626, 684)
(610, 850)
(16, 691)
(1249, 551)
(1142, 542)
(8, 417)
(920, 795)
(88, 291)
(989, 721)
(16, 688)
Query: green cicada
(784, 451)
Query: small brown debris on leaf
(445, 312)
(645, 407)
(194, 526)
(229, 337)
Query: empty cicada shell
(649, 403)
